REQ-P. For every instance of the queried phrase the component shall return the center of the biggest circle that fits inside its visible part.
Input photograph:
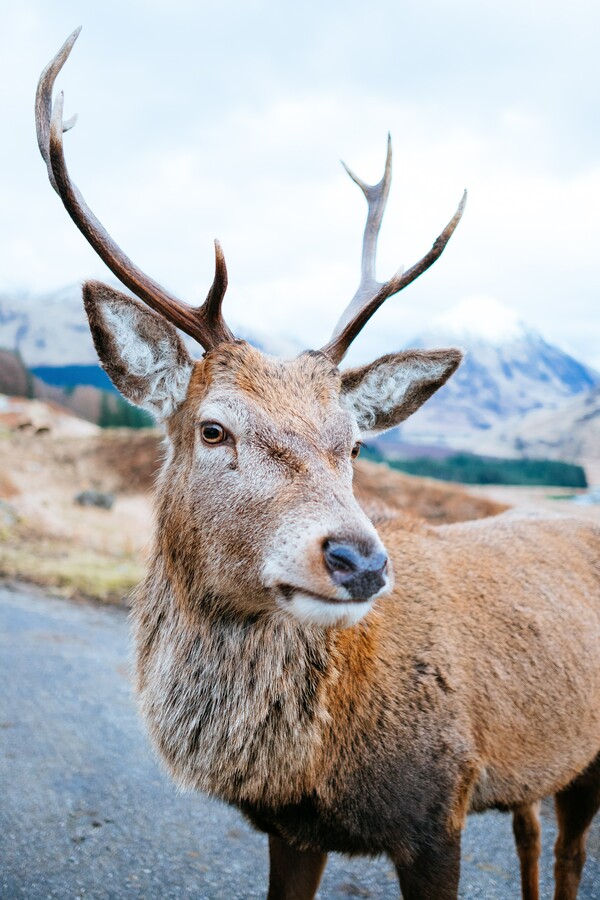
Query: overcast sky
(200, 120)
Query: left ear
(393, 387)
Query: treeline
(115, 412)
(72, 376)
(467, 468)
(84, 390)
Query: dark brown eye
(213, 433)
(355, 450)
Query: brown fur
(459, 690)
(473, 684)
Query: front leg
(434, 873)
(293, 874)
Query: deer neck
(237, 707)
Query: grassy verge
(79, 573)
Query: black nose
(358, 569)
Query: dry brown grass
(382, 490)
(46, 538)
(50, 540)
(72, 572)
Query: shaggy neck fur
(235, 706)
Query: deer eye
(213, 433)
(355, 450)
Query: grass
(76, 572)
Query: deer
(349, 685)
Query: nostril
(342, 558)
(377, 563)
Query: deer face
(256, 505)
(271, 470)
(256, 509)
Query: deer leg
(293, 874)
(434, 873)
(526, 829)
(576, 806)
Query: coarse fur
(370, 727)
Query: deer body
(474, 684)
(348, 688)
(460, 698)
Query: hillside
(571, 431)
(102, 407)
(509, 370)
(50, 539)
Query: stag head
(255, 506)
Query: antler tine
(43, 102)
(214, 299)
(206, 324)
(376, 196)
(372, 293)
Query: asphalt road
(85, 810)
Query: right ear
(141, 352)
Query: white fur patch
(312, 611)
(158, 364)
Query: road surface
(85, 810)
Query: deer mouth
(314, 609)
(289, 591)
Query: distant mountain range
(570, 431)
(509, 370)
(51, 331)
(515, 394)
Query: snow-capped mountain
(52, 330)
(47, 329)
(508, 370)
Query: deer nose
(360, 570)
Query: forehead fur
(283, 385)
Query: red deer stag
(278, 668)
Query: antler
(205, 324)
(372, 293)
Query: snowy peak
(508, 370)
(52, 330)
(47, 330)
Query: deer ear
(141, 352)
(393, 387)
